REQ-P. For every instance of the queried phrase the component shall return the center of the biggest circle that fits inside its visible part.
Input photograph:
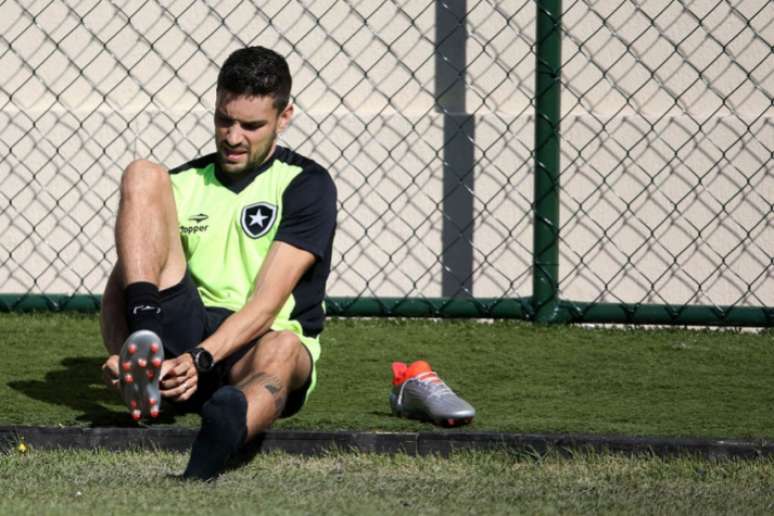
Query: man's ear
(284, 118)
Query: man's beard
(250, 164)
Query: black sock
(224, 428)
(143, 307)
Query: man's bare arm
(283, 268)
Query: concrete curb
(412, 443)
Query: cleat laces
(431, 383)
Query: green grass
(85, 483)
(520, 377)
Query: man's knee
(278, 353)
(144, 177)
(284, 347)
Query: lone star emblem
(258, 218)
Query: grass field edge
(412, 443)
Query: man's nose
(233, 135)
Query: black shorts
(187, 322)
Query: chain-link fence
(425, 114)
(667, 143)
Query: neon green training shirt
(227, 227)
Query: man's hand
(179, 378)
(110, 372)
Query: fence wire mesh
(423, 111)
(667, 142)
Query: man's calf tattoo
(276, 388)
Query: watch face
(203, 360)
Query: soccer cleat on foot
(140, 359)
(418, 393)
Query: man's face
(246, 130)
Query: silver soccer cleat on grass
(418, 393)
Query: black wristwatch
(202, 359)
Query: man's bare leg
(149, 254)
(236, 413)
(147, 235)
(279, 365)
(112, 316)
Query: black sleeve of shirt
(309, 212)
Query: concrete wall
(667, 138)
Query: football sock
(223, 431)
(143, 307)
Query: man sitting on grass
(221, 268)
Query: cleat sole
(140, 383)
(449, 423)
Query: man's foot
(418, 393)
(223, 432)
(139, 368)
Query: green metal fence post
(545, 273)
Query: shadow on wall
(80, 387)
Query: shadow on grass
(79, 386)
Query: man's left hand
(179, 378)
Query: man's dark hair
(259, 72)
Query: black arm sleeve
(309, 212)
